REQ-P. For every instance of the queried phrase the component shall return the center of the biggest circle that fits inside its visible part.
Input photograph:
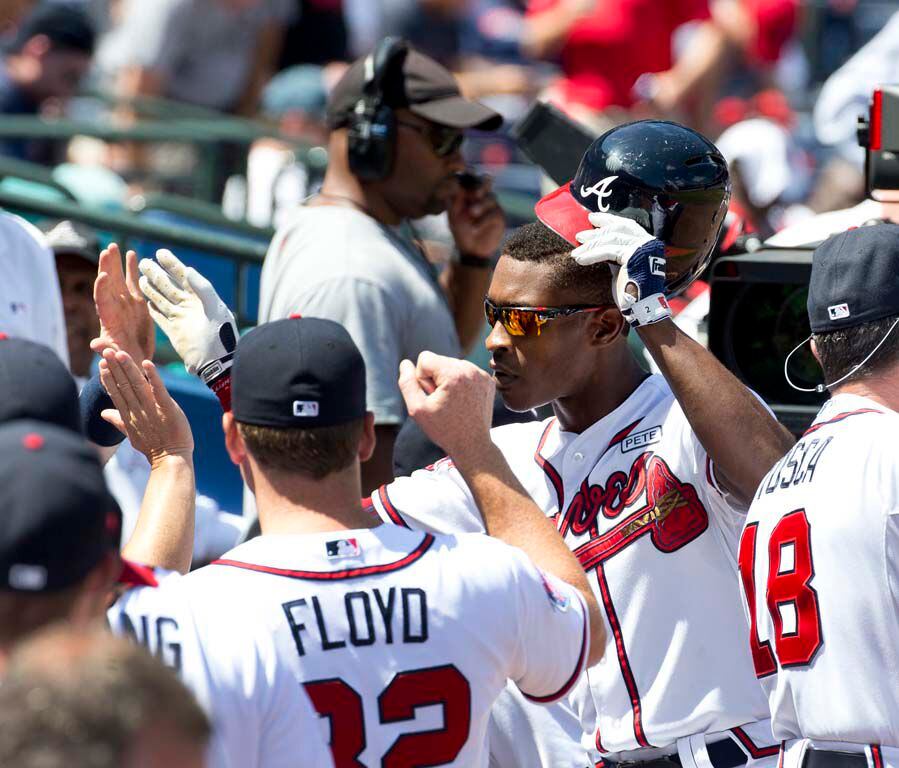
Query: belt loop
(700, 748)
(685, 751)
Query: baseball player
(819, 555)
(646, 477)
(261, 718)
(401, 639)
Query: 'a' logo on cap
(305, 409)
(838, 311)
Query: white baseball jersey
(401, 639)
(636, 500)
(30, 298)
(261, 716)
(820, 563)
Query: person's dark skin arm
(736, 430)
(477, 223)
(739, 434)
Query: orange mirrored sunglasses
(529, 321)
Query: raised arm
(125, 323)
(739, 434)
(158, 428)
(198, 323)
(452, 400)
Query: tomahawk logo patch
(601, 190)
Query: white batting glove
(637, 260)
(185, 305)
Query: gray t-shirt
(203, 47)
(338, 263)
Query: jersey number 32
(444, 685)
(791, 601)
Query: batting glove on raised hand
(637, 260)
(198, 323)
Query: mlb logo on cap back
(29, 578)
(838, 311)
(855, 278)
(307, 409)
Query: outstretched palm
(125, 323)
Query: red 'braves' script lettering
(672, 515)
(620, 491)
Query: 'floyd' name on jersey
(363, 617)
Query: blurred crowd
(777, 82)
(411, 237)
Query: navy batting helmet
(668, 178)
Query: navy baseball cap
(299, 372)
(34, 384)
(855, 278)
(57, 518)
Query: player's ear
(234, 443)
(368, 441)
(93, 595)
(814, 348)
(605, 326)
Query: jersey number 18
(788, 594)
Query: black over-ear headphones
(372, 128)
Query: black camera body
(757, 315)
(878, 133)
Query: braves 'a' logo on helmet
(602, 192)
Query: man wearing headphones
(350, 255)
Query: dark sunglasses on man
(443, 139)
(529, 321)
